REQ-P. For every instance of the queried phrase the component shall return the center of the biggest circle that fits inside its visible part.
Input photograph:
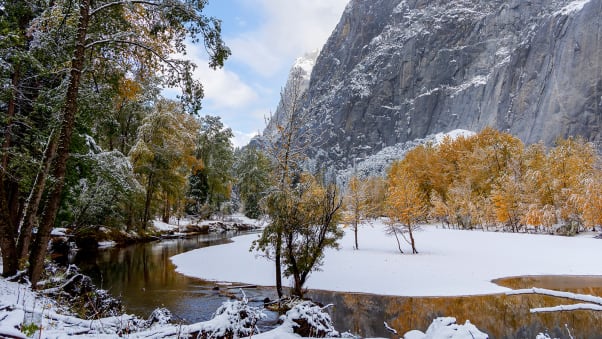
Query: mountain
(304, 66)
(397, 70)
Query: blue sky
(265, 36)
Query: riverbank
(145, 272)
(28, 314)
(64, 240)
(449, 263)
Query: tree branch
(119, 3)
(561, 308)
(566, 295)
(137, 44)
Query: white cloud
(241, 138)
(223, 89)
(289, 29)
(269, 36)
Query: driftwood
(591, 302)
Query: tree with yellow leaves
(592, 202)
(163, 155)
(570, 163)
(357, 204)
(307, 215)
(406, 204)
(507, 197)
(376, 195)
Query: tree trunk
(397, 239)
(277, 256)
(298, 290)
(147, 201)
(166, 210)
(7, 239)
(293, 267)
(33, 201)
(414, 251)
(40, 246)
(357, 247)
(7, 227)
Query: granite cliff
(397, 70)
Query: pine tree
(211, 185)
(252, 170)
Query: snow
(307, 62)
(450, 262)
(479, 80)
(242, 219)
(572, 7)
(232, 317)
(9, 322)
(106, 244)
(439, 137)
(164, 227)
(59, 232)
(315, 316)
(378, 164)
(567, 295)
(573, 307)
(593, 303)
(446, 328)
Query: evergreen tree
(252, 172)
(211, 184)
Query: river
(144, 277)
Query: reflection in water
(145, 278)
(500, 316)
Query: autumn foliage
(492, 179)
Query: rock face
(397, 70)
(304, 65)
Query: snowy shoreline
(450, 262)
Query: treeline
(87, 139)
(493, 179)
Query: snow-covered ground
(176, 225)
(450, 262)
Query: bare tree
(286, 147)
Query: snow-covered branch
(119, 3)
(592, 303)
(137, 44)
(562, 308)
(559, 294)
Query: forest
(87, 138)
(492, 179)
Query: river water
(144, 277)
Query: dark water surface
(144, 277)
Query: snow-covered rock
(232, 318)
(446, 328)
